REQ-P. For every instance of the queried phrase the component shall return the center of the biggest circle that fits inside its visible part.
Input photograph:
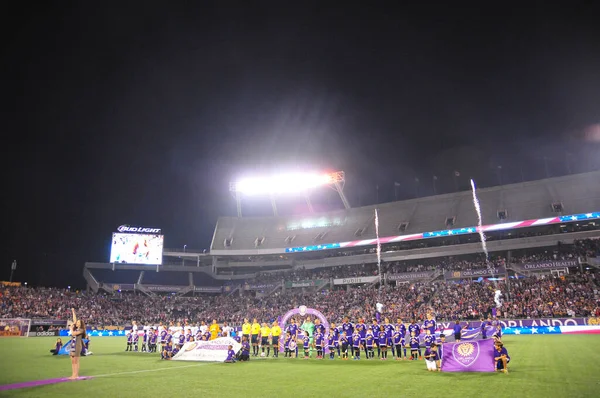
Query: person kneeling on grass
(230, 355)
(245, 353)
(57, 346)
(167, 352)
(432, 358)
(501, 357)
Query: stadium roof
(573, 194)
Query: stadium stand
(573, 194)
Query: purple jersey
(319, 328)
(389, 330)
(430, 325)
(414, 343)
(431, 355)
(136, 337)
(356, 339)
(383, 339)
(174, 351)
(153, 338)
(245, 348)
(361, 328)
(319, 339)
(130, 337)
(348, 328)
(163, 336)
(332, 341)
(306, 341)
(181, 339)
(402, 328)
(414, 328)
(376, 328)
(429, 338)
(230, 355)
(286, 343)
(397, 337)
(369, 339)
(293, 329)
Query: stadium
(414, 262)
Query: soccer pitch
(541, 366)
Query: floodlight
(283, 184)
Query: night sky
(142, 114)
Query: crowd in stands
(575, 294)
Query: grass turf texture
(542, 366)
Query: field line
(149, 370)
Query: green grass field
(541, 366)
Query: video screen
(136, 249)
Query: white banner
(355, 281)
(212, 350)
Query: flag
(456, 174)
(396, 184)
(469, 356)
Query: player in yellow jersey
(214, 330)
(275, 333)
(265, 332)
(255, 332)
(246, 327)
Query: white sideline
(149, 370)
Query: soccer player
(375, 325)
(482, 327)
(430, 324)
(401, 327)
(275, 333)
(332, 343)
(498, 334)
(429, 338)
(230, 355)
(432, 359)
(181, 341)
(286, 344)
(153, 339)
(416, 329)
(255, 330)
(129, 341)
(293, 347)
(245, 355)
(166, 352)
(389, 332)
(214, 329)
(319, 341)
(136, 339)
(145, 341)
(383, 342)
(163, 338)
(306, 344)
(501, 357)
(344, 344)
(246, 328)
(370, 341)
(397, 340)
(356, 345)
(415, 348)
(336, 338)
(265, 331)
(361, 328)
(293, 329)
(348, 330)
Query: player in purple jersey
(344, 344)
(167, 351)
(383, 342)
(129, 342)
(332, 343)
(432, 358)
(389, 332)
(356, 345)
(319, 343)
(397, 345)
(429, 339)
(136, 340)
(189, 336)
(181, 341)
(375, 326)
(369, 342)
(306, 345)
(401, 327)
(245, 353)
(416, 329)
(144, 341)
(348, 330)
(230, 355)
(361, 328)
(430, 324)
(336, 337)
(501, 357)
(414, 347)
(498, 334)
(153, 340)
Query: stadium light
(283, 184)
(287, 184)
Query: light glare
(283, 184)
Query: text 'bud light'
(138, 230)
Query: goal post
(14, 327)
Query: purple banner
(475, 273)
(551, 264)
(468, 356)
(208, 289)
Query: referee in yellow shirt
(275, 333)
(255, 330)
(265, 331)
(246, 327)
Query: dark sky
(142, 114)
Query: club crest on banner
(302, 310)
(466, 353)
(191, 346)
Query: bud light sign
(138, 230)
